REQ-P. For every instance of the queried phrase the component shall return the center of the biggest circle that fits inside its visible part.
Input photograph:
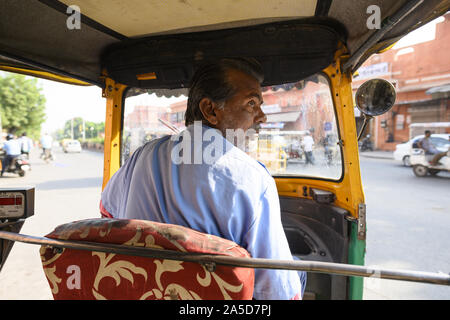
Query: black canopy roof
(145, 44)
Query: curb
(376, 155)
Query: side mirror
(373, 98)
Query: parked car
(72, 146)
(403, 150)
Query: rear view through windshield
(299, 138)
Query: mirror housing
(373, 98)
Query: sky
(64, 102)
(67, 101)
(150, 99)
(423, 34)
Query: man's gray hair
(210, 81)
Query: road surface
(66, 190)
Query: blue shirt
(46, 142)
(12, 147)
(428, 146)
(212, 187)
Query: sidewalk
(378, 154)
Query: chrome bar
(211, 259)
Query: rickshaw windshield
(299, 138)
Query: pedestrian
(308, 144)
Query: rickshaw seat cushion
(88, 275)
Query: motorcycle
(366, 144)
(18, 165)
(329, 152)
(47, 155)
(328, 155)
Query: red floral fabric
(80, 274)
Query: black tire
(420, 171)
(22, 173)
(406, 161)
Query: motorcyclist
(46, 143)
(327, 145)
(366, 144)
(12, 148)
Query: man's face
(243, 110)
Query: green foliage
(91, 129)
(98, 140)
(22, 106)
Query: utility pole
(84, 130)
(71, 127)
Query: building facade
(420, 74)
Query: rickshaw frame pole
(210, 261)
(388, 24)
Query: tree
(22, 106)
(92, 129)
(77, 125)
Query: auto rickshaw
(421, 165)
(270, 151)
(309, 51)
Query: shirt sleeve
(266, 239)
(6, 148)
(115, 194)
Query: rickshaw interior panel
(318, 232)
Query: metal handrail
(211, 260)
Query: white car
(72, 146)
(403, 150)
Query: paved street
(66, 190)
(408, 222)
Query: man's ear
(208, 109)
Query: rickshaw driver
(427, 145)
(234, 198)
